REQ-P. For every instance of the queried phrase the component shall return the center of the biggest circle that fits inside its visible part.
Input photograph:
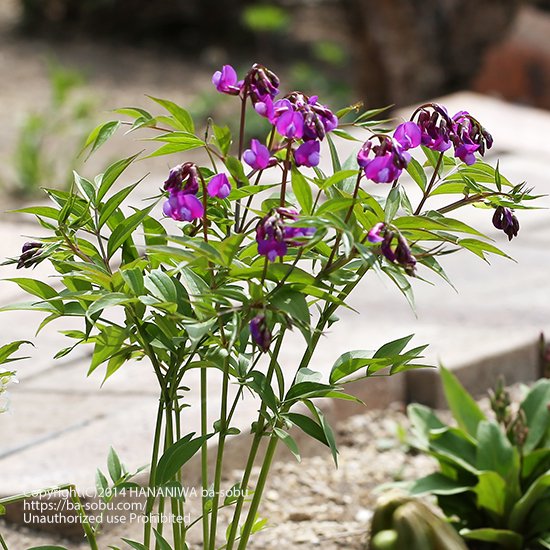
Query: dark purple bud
(469, 137)
(383, 163)
(30, 253)
(261, 335)
(435, 127)
(386, 248)
(261, 83)
(403, 255)
(183, 178)
(504, 219)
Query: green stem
(260, 423)
(204, 456)
(219, 456)
(429, 188)
(152, 472)
(240, 152)
(258, 492)
(285, 173)
(3, 543)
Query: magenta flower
(183, 207)
(383, 163)
(308, 154)
(469, 137)
(290, 123)
(408, 135)
(435, 126)
(258, 156)
(504, 219)
(375, 234)
(219, 186)
(261, 335)
(226, 81)
(265, 107)
(274, 236)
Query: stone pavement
(61, 424)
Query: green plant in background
(8, 376)
(404, 523)
(58, 132)
(494, 477)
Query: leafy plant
(235, 262)
(494, 477)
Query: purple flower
(226, 81)
(308, 154)
(408, 135)
(261, 335)
(265, 107)
(219, 186)
(183, 178)
(375, 234)
(435, 126)
(383, 163)
(274, 236)
(469, 137)
(290, 124)
(183, 207)
(258, 156)
(386, 248)
(504, 219)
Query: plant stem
(285, 172)
(258, 492)
(3, 543)
(260, 423)
(219, 456)
(240, 153)
(204, 457)
(152, 472)
(429, 188)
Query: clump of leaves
(494, 477)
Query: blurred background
(65, 63)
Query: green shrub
(494, 476)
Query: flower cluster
(295, 117)
(504, 219)
(383, 163)
(434, 129)
(274, 235)
(183, 185)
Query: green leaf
(124, 231)
(85, 187)
(177, 455)
(184, 119)
(112, 173)
(415, 170)
(135, 545)
(108, 343)
(507, 540)
(337, 177)
(161, 286)
(327, 430)
(535, 406)
(491, 493)
(40, 289)
(114, 466)
(438, 484)
(235, 168)
(392, 204)
(302, 191)
(100, 135)
(113, 203)
(101, 484)
(8, 350)
(134, 279)
(395, 347)
(528, 501)
(308, 426)
(109, 300)
(162, 543)
(184, 144)
(464, 408)
(495, 452)
(42, 211)
(294, 303)
(288, 440)
(349, 363)
(307, 389)
(48, 547)
(222, 137)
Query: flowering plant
(265, 240)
